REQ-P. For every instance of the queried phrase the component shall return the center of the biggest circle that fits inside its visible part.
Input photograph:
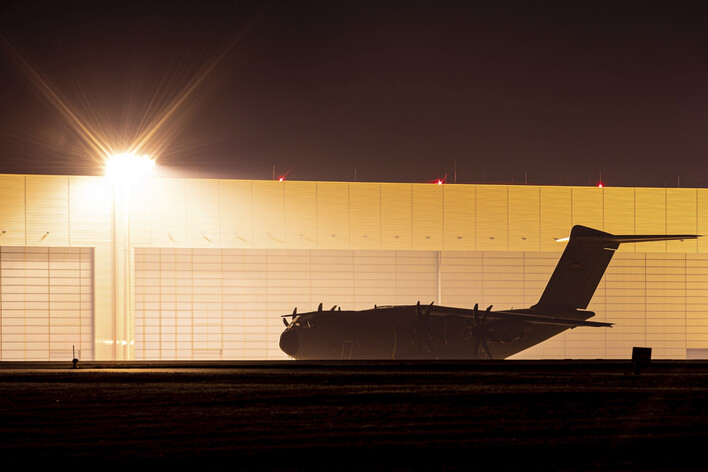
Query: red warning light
(439, 181)
(600, 185)
(280, 179)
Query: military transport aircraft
(441, 332)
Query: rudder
(582, 265)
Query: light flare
(95, 138)
(159, 122)
(128, 167)
(88, 135)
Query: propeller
(294, 314)
(422, 328)
(480, 332)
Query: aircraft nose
(288, 342)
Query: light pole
(124, 170)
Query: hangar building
(202, 269)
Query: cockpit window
(305, 324)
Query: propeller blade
(291, 316)
(477, 344)
(319, 308)
(486, 312)
(285, 322)
(486, 348)
(332, 309)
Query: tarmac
(506, 415)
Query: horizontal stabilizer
(630, 238)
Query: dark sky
(558, 91)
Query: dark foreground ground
(357, 416)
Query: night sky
(551, 92)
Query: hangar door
(227, 303)
(46, 303)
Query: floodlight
(128, 167)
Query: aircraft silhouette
(440, 332)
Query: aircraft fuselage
(400, 332)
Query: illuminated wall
(46, 299)
(653, 291)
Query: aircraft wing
(514, 316)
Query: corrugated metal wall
(46, 303)
(174, 214)
(226, 304)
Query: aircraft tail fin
(583, 264)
